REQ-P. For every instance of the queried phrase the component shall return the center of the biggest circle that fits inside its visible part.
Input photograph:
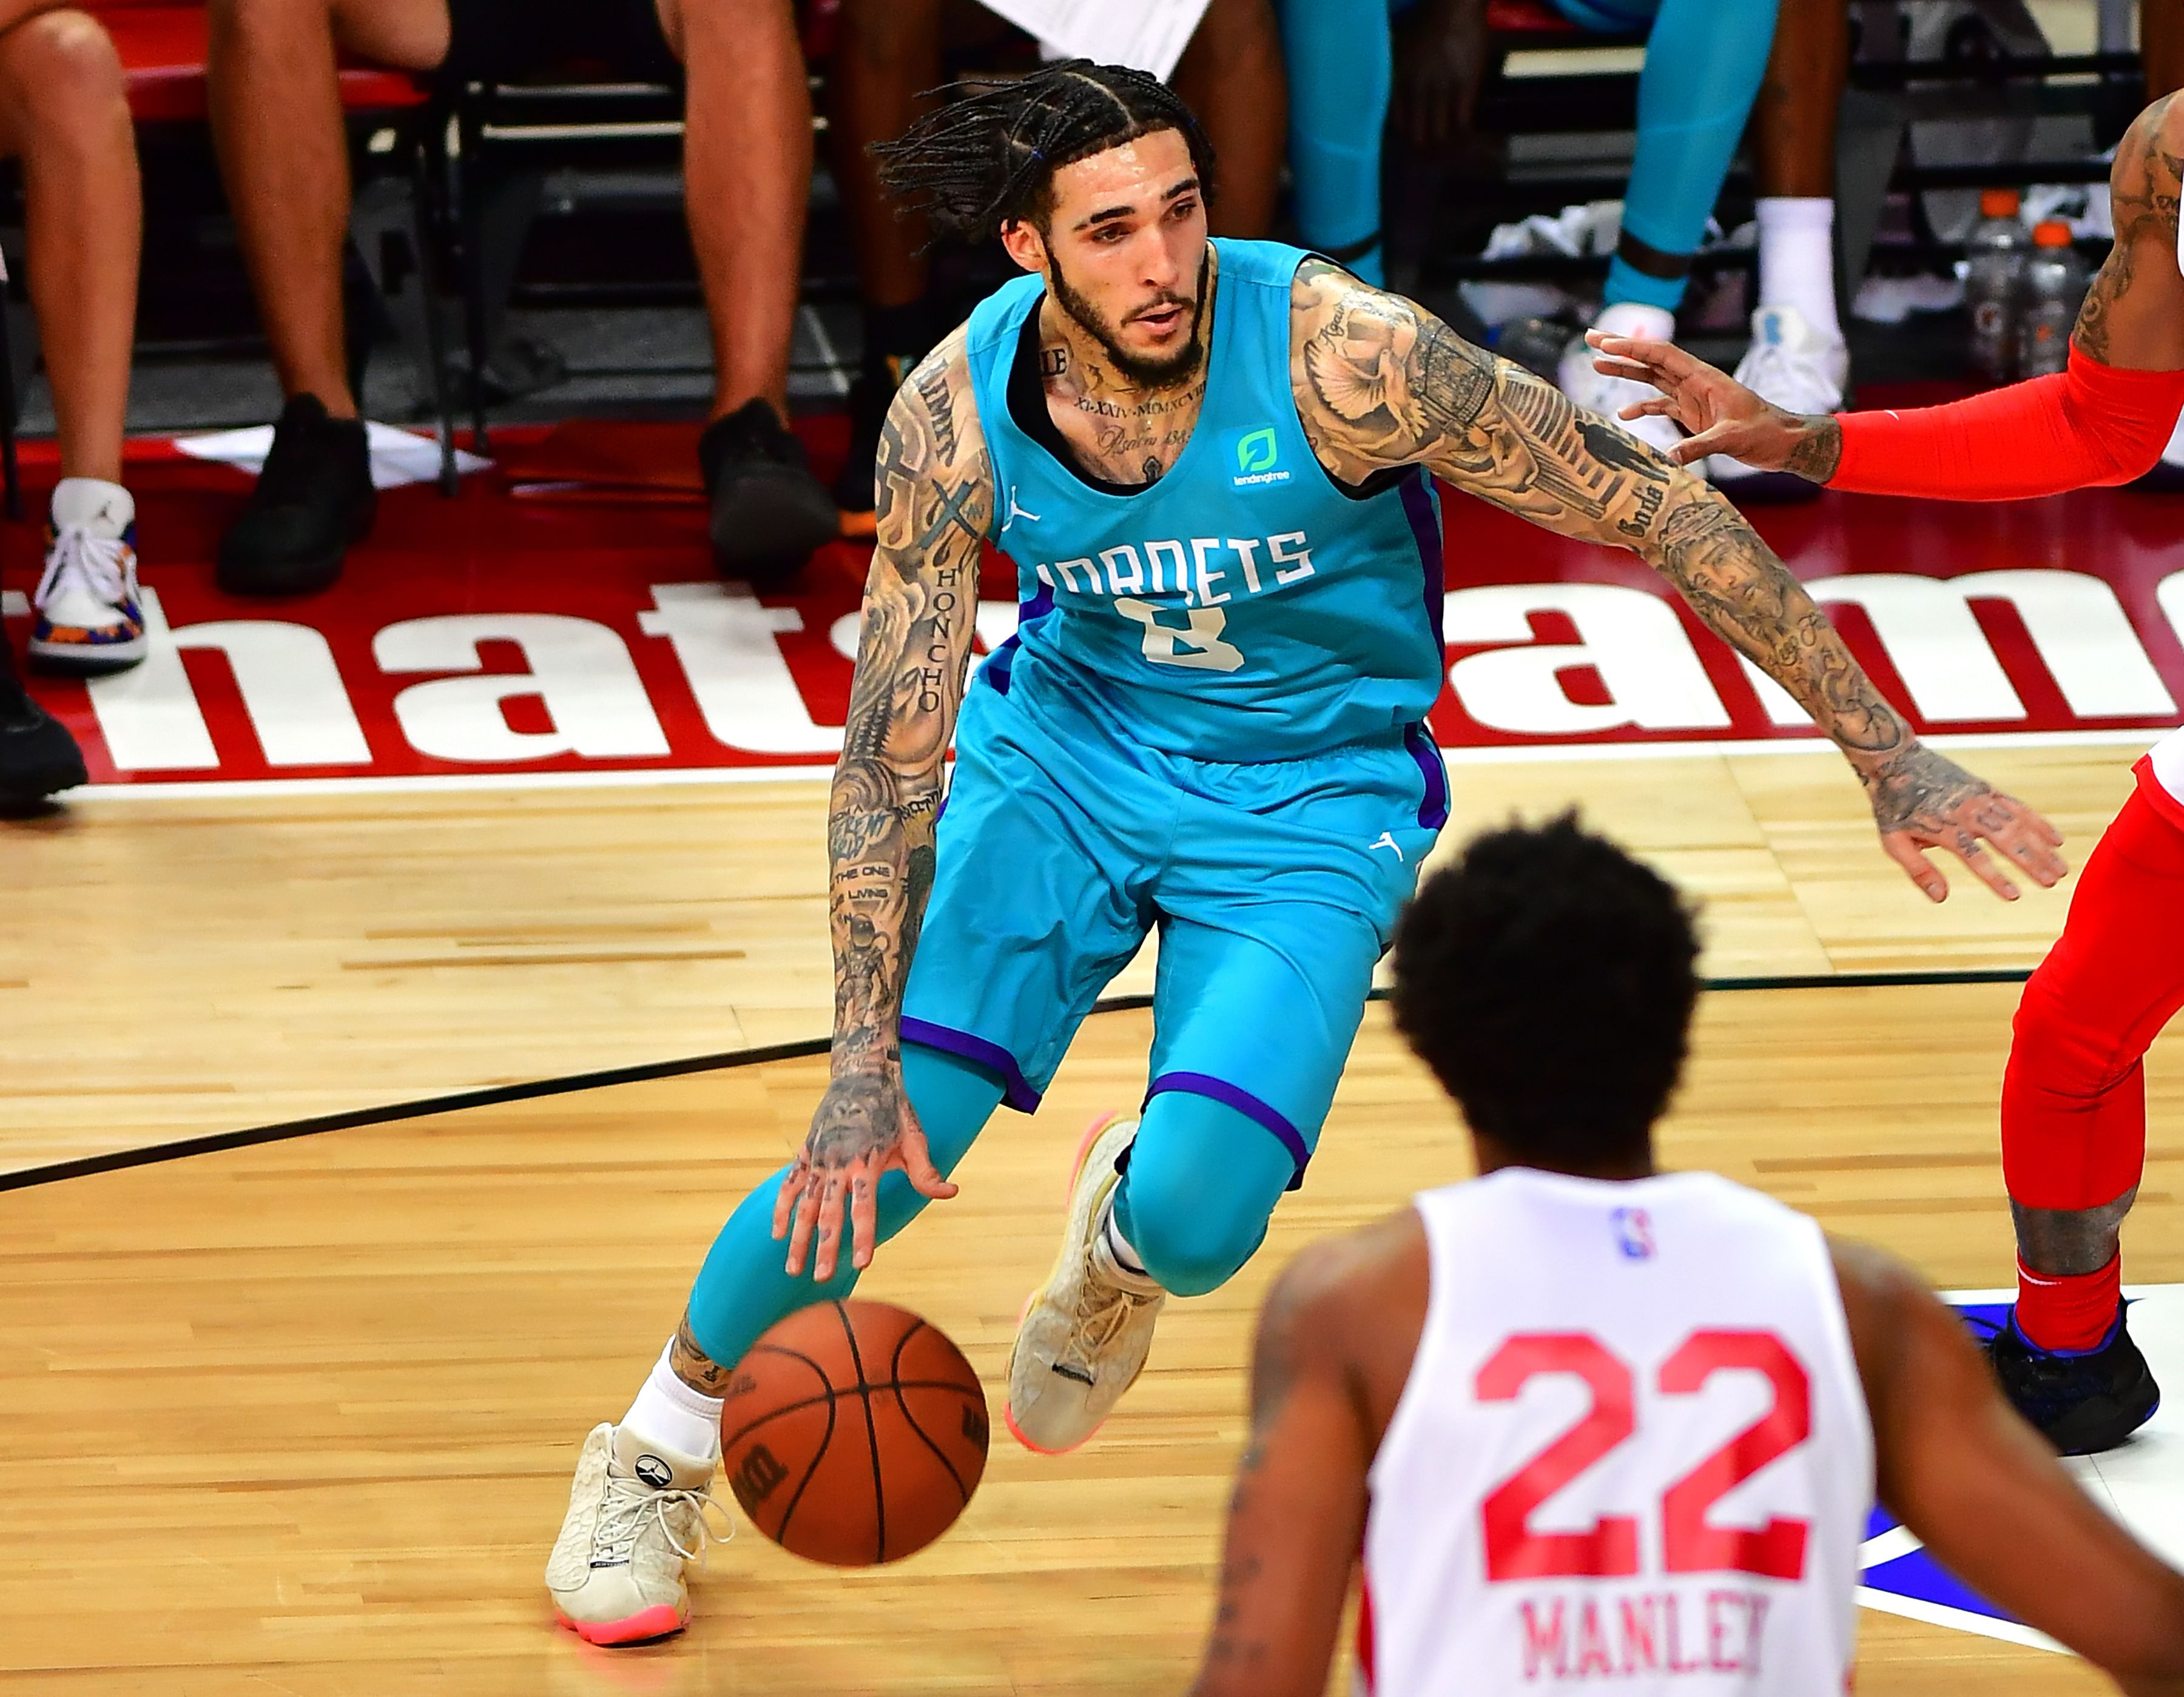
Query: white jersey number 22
(1197, 645)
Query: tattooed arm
(935, 498)
(2133, 317)
(2132, 320)
(1379, 382)
(1335, 1340)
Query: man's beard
(1171, 371)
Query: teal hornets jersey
(1243, 607)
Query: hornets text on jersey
(1243, 607)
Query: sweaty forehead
(1138, 175)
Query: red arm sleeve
(2093, 423)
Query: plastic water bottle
(1996, 255)
(2055, 283)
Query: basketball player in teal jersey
(1212, 464)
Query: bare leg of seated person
(64, 115)
(886, 51)
(276, 118)
(747, 177)
(1798, 357)
(1231, 75)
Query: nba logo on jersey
(1634, 1233)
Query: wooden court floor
(298, 1418)
(177, 966)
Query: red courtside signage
(502, 634)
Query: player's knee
(1191, 1242)
(2054, 1050)
(67, 70)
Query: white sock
(106, 509)
(1797, 258)
(1118, 1245)
(1635, 318)
(668, 1412)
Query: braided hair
(988, 156)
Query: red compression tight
(2073, 1098)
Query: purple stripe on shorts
(1220, 1090)
(1000, 666)
(1433, 811)
(1425, 526)
(1016, 1091)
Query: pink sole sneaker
(1076, 1171)
(1099, 1124)
(661, 1622)
(1008, 1410)
(1009, 1420)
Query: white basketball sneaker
(1596, 391)
(1799, 369)
(90, 611)
(1084, 1337)
(637, 1514)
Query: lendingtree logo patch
(1258, 455)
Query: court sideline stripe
(492, 1096)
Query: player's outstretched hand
(864, 1127)
(1721, 415)
(1923, 800)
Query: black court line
(1872, 981)
(493, 1095)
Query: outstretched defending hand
(1721, 415)
(1923, 800)
(864, 1126)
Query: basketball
(854, 1434)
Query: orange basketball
(854, 1434)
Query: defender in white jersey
(1597, 1426)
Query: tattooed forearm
(1379, 384)
(935, 499)
(1818, 448)
(1747, 597)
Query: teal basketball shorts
(1274, 889)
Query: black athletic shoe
(38, 757)
(854, 487)
(2081, 1403)
(313, 499)
(770, 514)
(896, 339)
